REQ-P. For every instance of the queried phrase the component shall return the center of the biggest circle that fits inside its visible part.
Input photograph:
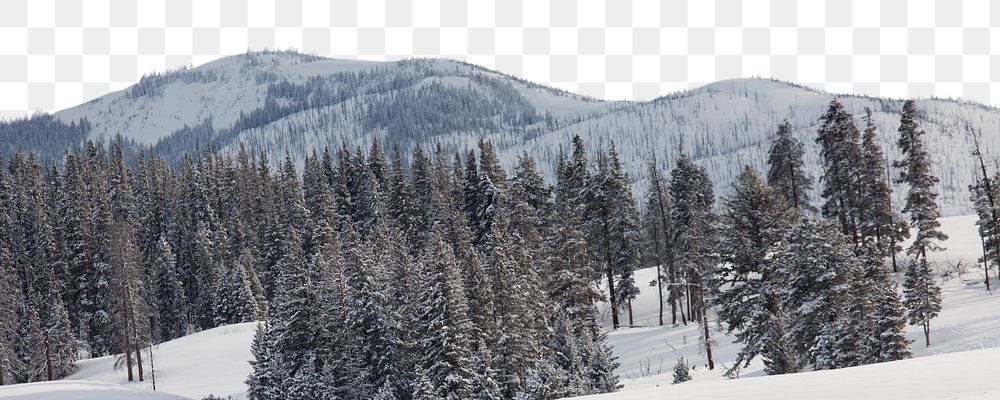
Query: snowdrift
(963, 375)
(80, 390)
(215, 361)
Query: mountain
(290, 103)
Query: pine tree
(612, 228)
(422, 388)
(601, 364)
(887, 339)
(171, 318)
(264, 383)
(786, 172)
(234, 298)
(657, 228)
(989, 231)
(10, 298)
(840, 145)
(922, 296)
(915, 171)
(922, 207)
(681, 371)
(369, 320)
(878, 220)
(749, 283)
(693, 235)
(818, 264)
(60, 345)
(778, 351)
(444, 339)
(32, 352)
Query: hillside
(964, 375)
(214, 361)
(289, 103)
(80, 390)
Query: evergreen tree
(693, 236)
(172, 320)
(915, 171)
(612, 227)
(887, 339)
(445, 333)
(265, 381)
(656, 226)
(879, 221)
(369, 320)
(749, 281)
(818, 264)
(922, 296)
(681, 371)
(786, 172)
(840, 145)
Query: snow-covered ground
(81, 390)
(968, 321)
(966, 375)
(207, 362)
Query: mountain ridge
(292, 103)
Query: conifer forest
(436, 273)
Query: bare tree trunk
(611, 292)
(986, 264)
(892, 251)
(703, 309)
(48, 357)
(659, 293)
(630, 322)
(708, 340)
(152, 367)
(673, 297)
(680, 301)
(927, 332)
(989, 196)
(128, 362)
(138, 358)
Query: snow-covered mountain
(291, 103)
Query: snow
(80, 390)
(965, 375)
(214, 361)
(963, 337)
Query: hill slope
(289, 103)
(80, 390)
(964, 375)
(208, 362)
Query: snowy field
(207, 362)
(81, 390)
(967, 375)
(215, 361)
(968, 321)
